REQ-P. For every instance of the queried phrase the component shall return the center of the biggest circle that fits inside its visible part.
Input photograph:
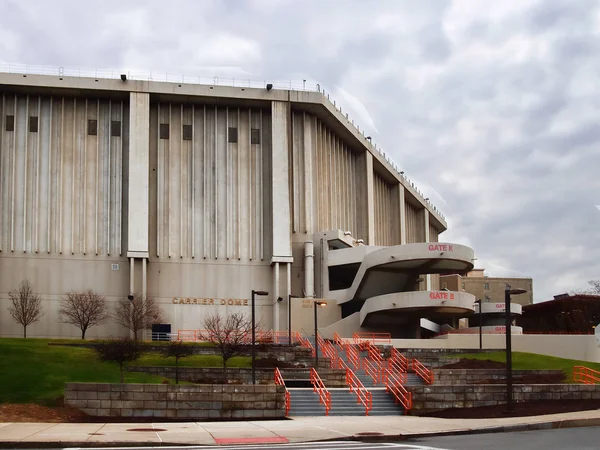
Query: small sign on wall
(114, 267)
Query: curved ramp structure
(392, 288)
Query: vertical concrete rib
(36, 208)
(238, 190)
(252, 202)
(193, 182)
(108, 176)
(119, 185)
(181, 120)
(60, 145)
(216, 189)
(26, 134)
(402, 213)
(370, 199)
(261, 187)
(205, 215)
(168, 184)
(227, 181)
(83, 192)
(159, 183)
(96, 183)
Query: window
(92, 127)
(187, 132)
(164, 131)
(255, 136)
(486, 286)
(33, 124)
(115, 128)
(232, 135)
(10, 123)
(444, 285)
(463, 286)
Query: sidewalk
(302, 429)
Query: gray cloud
(492, 105)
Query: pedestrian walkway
(301, 429)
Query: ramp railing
(394, 383)
(280, 382)
(585, 375)
(363, 396)
(319, 386)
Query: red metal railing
(304, 342)
(398, 361)
(374, 354)
(338, 341)
(362, 394)
(353, 357)
(585, 375)
(372, 369)
(279, 381)
(319, 386)
(394, 384)
(382, 338)
(422, 371)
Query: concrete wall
(386, 203)
(492, 287)
(435, 397)
(476, 376)
(211, 401)
(578, 347)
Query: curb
(550, 425)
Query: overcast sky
(491, 107)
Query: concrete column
(309, 270)
(370, 212)
(426, 225)
(144, 279)
(308, 176)
(138, 176)
(402, 210)
(131, 276)
(282, 242)
(275, 296)
(288, 286)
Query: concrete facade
(190, 194)
(489, 289)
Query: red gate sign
(441, 295)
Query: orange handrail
(372, 369)
(338, 341)
(279, 381)
(374, 354)
(353, 357)
(362, 394)
(385, 338)
(394, 384)
(398, 359)
(319, 386)
(422, 371)
(585, 375)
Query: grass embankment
(31, 371)
(534, 361)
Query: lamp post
(508, 323)
(479, 302)
(320, 304)
(254, 293)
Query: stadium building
(195, 195)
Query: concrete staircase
(305, 402)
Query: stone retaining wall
(331, 377)
(472, 376)
(211, 401)
(435, 397)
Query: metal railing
(280, 382)
(585, 375)
(339, 341)
(394, 383)
(398, 361)
(422, 371)
(353, 356)
(372, 338)
(362, 394)
(319, 386)
(372, 369)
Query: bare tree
(120, 351)
(26, 306)
(594, 288)
(177, 349)
(230, 334)
(138, 314)
(84, 310)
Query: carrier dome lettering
(210, 301)
(441, 248)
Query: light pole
(508, 323)
(290, 297)
(254, 293)
(320, 304)
(479, 302)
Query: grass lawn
(533, 361)
(31, 371)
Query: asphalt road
(567, 438)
